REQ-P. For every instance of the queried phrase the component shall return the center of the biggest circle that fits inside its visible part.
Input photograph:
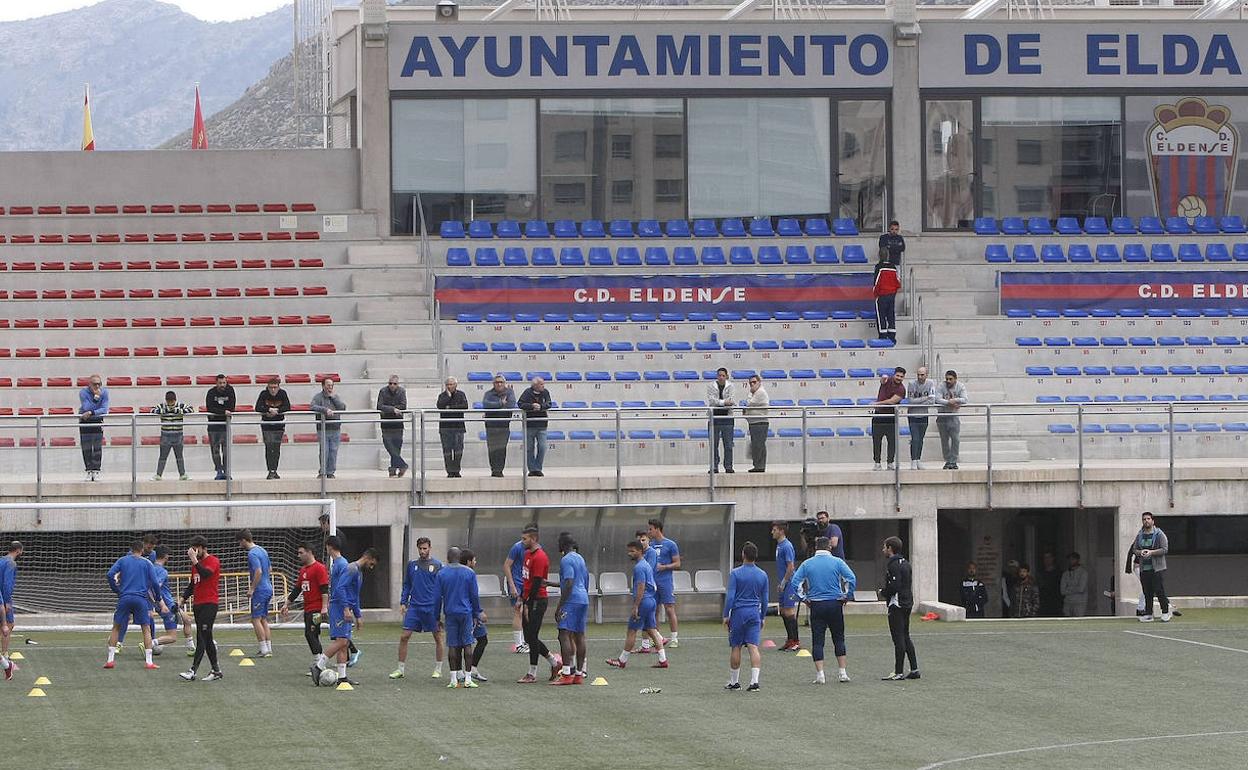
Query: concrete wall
(325, 177)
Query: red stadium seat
(26, 442)
(148, 381)
(50, 210)
(56, 353)
(170, 321)
(56, 323)
(107, 238)
(107, 208)
(203, 320)
(82, 382)
(54, 294)
(141, 294)
(137, 238)
(21, 239)
(25, 294)
(109, 266)
(311, 262)
(168, 264)
(81, 266)
(139, 264)
(260, 320)
(178, 379)
(321, 376)
(307, 235)
(162, 208)
(77, 209)
(194, 237)
(255, 264)
(204, 350)
(224, 264)
(189, 440)
(305, 438)
(219, 208)
(51, 238)
(319, 319)
(4, 294)
(277, 235)
(51, 265)
(117, 382)
(112, 293)
(26, 323)
(195, 264)
(115, 323)
(275, 208)
(285, 291)
(233, 350)
(174, 350)
(298, 379)
(263, 350)
(290, 320)
(205, 379)
(230, 320)
(80, 237)
(62, 410)
(294, 349)
(238, 379)
(62, 441)
(251, 236)
(278, 264)
(86, 323)
(315, 291)
(29, 411)
(229, 291)
(164, 238)
(118, 440)
(245, 408)
(303, 207)
(59, 382)
(86, 352)
(246, 439)
(134, 208)
(246, 208)
(190, 208)
(221, 237)
(7, 443)
(23, 267)
(198, 294)
(147, 352)
(116, 352)
(153, 440)
(142, 323)
(169, 293)
(263, 379)
(257, 291)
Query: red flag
(199, 137)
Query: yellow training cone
(246, 662)
(236, 653)
(42, 680)
(344, 686)
(803, 653)
(599, 682)
(17, 656)
(36, 693)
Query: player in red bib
(313, 587)
(204, 588)
(533, 595)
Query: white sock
(754, 675)
(566, 671)
(112, 651)
(147, 654)
(438, 667)
(624, 656)
(322, 661)
(402, 667)
(674, 635)
(819, 676)
(267, 645)
(533, 671)
(840, 672)
(646, 644)
(474, 671)
(734, 676)
(342, 670)
(517, 638)
(550, 658)
(662, 655)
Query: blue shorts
(788, 597)
(574, 617)
(8, 615)
(339, 628)
(458, 630)
(645, 620)
(260, 604)
(132, 607)
(744, 627)
(665, 593)
(422, 620)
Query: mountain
(142, 59)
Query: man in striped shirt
(171, 413)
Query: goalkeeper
(313, 587)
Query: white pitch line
(1081, 744)
(1186, 641)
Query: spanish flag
(88, 137)
(199, 136)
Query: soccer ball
(156, 648)
(328, 677)
(1191, 206)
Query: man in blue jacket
(745, 608)
(92, 406)
(826, 582)
(134, 581)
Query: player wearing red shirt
(313, 586)
(533, 594)
(204, 587)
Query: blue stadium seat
(1039, 371)
(486, 256)
(832, 374)
(1062, 429)
(573, 404)
(736, 345)
(555, 435)
(823, 344)
(794, 345)
(653, 375)
(731, 228)
(1149, 427)
(657, 255)
(1105, 399)
(627, 256)
(1134, 252)
(1039, 226)
(821, 432)
(1066, 371)
(571, 256)
(1103, 312)
(1235, 427)
(649, 228)
(801, 374)
(766, 345)
(737, 255)
(566, 376)
(1141, 342)
(684, 256)
(620, 346)
(1027, 342)
(677, 346)
(779, 315)
(1119, 427)
(1153, 371)
(1205, 226)
(512, 376)
(1169, 341)
(1107, 252)
(1161, 252)
(860, 373)
(1233, 225)
(514, 256)
(536, 228)
(1225, 340)
(561, 347)
(852, 343)
(790, 433)
(600, 256)
(854, 254)
(996, 253)
(826, 255)
(581, 435)
(1134, 399)
(677, 228)
(670, 434)
(1015, 312)
(1095, 226)
(817, 226)
(851, 432)
(760, 227)
(1046, 313)
(880, 343)
(1056, 342)
(844, 315)
(528, 376)
(1207, 427)
(480, 377)
(1158, 312)
(1085, 342)
(479, 228)
(585, 318)
(1051, 252)
(627, 375)
(713, 255)
(451, 228)
(1221, 312)
(840, 402)
(1078, 399)
(706, 345)
(986, 226)
(1013, 226)
(1178, 226)
(1123, 226)
(566, 228)
(770, 255)
(590, 347)
(669, 317)
(1239, 252)
(543, 256)
(619, 228)
(458, 258)
(788, 228)
(1151, 226)
(614, 318)
(507, 228)
(1131, 312)
(1048, 399)
(532, 347)
(1074, 312)
(773, 374)
(685, 375)
(1183, 370)
(1068, 226)
(704, 228)
(1164, 398)
(742, 374)
(474, 347)
(844, 226)
(797, 254)
(700, 316)
(1192, 398)
(1209, 370)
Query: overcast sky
(209, 10)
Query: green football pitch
(1052, 694)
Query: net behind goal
(62, 574)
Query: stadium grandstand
(621, 199)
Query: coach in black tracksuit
(900, 598)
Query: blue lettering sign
(827, 44)
(420, 57)
(540, 52)
(794, 58)
(516, 57)
(459, 53)
(714, 66)
(738, 53)
(1016, 53)
(591, 44)
(1172, 46)
(1221, 56)
(1134, 65)
(981, 54)
(1097, 53)
(677, 61)
(628, 55)
(858, 64)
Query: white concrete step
(397, 253)
(389, 281)
(1003, 451)
(392, 309)
(416, 337)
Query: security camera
(447, 10)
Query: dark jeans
(533, 627)
(92, 440)
(496, 437)
(272, 448)
(392, 440)
(1154, 584)
(312, 632)
(205, 617)
(170, 441)
(220, 447)
(886, 316)
(479, 649)
(882, 430)
(827, 616)
(758, 444)
(721, 433)
(453, 449)
(918, 430)
(899, 628)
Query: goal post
(69, 547)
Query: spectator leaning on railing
(721, 396)
(92, 406)
(535, 403)
(756, 420)
(272, 405)
(453, 402)
(392, 403)
(949, 399)
(326, 405)
(221, 401)
(171, 413)
(498, 401)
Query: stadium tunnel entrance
(993, 539)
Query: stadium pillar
(907, 129)
(373, 114)
(925, 555)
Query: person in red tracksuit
(204, 587)
(887, 284)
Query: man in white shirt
(756, 419)
(721, 397)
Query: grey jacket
(920, 395)
(946, 397)
(321, 403)
(392, 405)
(1161, 546)
(1075, 583)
